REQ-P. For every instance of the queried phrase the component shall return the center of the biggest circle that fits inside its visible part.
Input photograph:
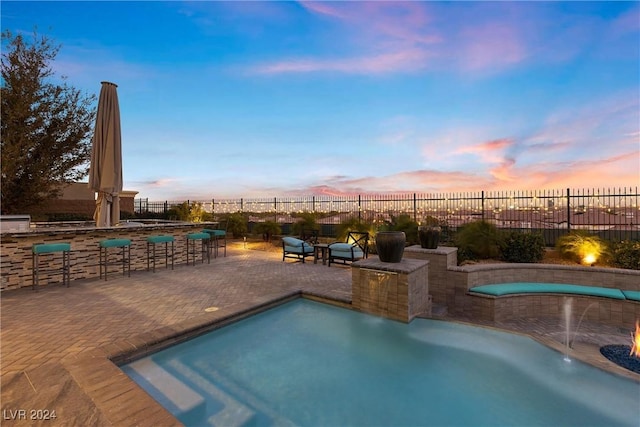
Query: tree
(45, 125)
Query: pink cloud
(504, 171)
(491, 45)
(627, 22)
(322, 8)
(388, 37)
(489, 146)
(376, 64)
(490, 151)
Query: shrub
(577, 245)
(306, 221)
(237, 224)
(478, 240)
(404, 223)
(267, 229)
(353, 224)
(626, 254)
(522, 247)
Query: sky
(224, 100)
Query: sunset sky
(265, 99)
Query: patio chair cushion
(215, 232)
(44, 248)
(198, 236)
(292, 242)
(346, 251)
(551, 288)
(632, 295)
(296, 246)
(115, 243)
(160, 239)
(342, 247)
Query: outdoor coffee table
(320, 249)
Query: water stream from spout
(569, 336)
(575, 332)
(568, 306)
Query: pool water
(310, 364)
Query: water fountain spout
(575, 332)
(568, 303)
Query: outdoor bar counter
(16, 249)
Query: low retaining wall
(449, 285)
(15, 249)
(621, 313)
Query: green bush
(353, 224)
(267, 229)
(306, 221)
(578, 244)
(478, 240)
(522, 247)
(404, 223)
(626, 254)
(237, 224)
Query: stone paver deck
(57, 344)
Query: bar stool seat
(219, 238)
(205, 249)
(125, 250)
(152, 241)
(40, 249)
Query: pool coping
(123, 402)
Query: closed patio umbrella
(105, 173)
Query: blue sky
(265, 99)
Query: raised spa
(310, 364)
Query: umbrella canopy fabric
(105, 172)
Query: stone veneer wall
(406, 295)
(440, 260)
(15, 250)
(449, 285)
(620, 313)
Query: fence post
(213, 206)
(275, 209)
(241, 204)
(359, 208)
(166, 206)
(482, 195)
(415, 208)
(568, 210)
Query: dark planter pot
(390, 245)
(429, 237)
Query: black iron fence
(613, 213)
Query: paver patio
(43, 334)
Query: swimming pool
(306, 363)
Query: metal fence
(613, 213)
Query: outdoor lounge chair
(356, 247)
(309, 236)
(296, 248)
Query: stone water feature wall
(15, 249)
(398, 291)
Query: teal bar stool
(219, 237)
(125, 250)
(205, 248)
(152, 241)
(42, 249)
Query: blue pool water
(310, 364)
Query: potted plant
(390, 245)
(429, 233)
